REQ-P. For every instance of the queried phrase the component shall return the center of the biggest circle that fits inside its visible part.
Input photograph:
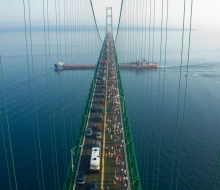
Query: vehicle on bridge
(99, 82)
(93, 185)
(98, 144)
(89, 132)
(102, 101)
(100, 118)
(95, 159)
(99, 135)
(94, 108)
(101, 108)
(98, 127)
(102, 95)
(80, 178)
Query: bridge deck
(107, 113)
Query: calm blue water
(163, 107)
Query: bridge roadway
(105, 111)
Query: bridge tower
(109, 20)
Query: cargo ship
(139, 64)
(60, 65)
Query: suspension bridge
(110, 151)
(112, 122)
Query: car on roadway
(98, 144)
(94, 108)
(102, 101)
(99, 135)
(80, 178)
(98, 127)
(93, 185)
(100, 118)
(102, 95)
(89, 132)
(101, 108)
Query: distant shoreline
(82, 28)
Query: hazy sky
(206, 14)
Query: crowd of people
(114, 128)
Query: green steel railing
(134, 177)
(70, 176)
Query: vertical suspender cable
(71, 30)
(62, 36)
(128, 27)
(72, 58)
(142, 139)
(149, 128)
(35, 100)
(57, 41)
(148, 93)
(151, 89)
(149, 34)
(152, 59)
(49, 86)
(158, 96)
(30, 93)
(67, 26)
(64, 115)
(138, 28)
(3, 136)
(142, 30)
(77, 28)
(131, 29)
(83, 7)
(8, 126)
(134, 25)
(142, 89)
(45, 42)
(60, 54)
(125, 36)
(59, 28)
(52, 101)
(128, 30)
(182, 125)
(177, 112)
(145, 30)
(136, 142)
(164, 67)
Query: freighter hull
(61, 66)
(138, 67)
(71, 67)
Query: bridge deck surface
(113, 172)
